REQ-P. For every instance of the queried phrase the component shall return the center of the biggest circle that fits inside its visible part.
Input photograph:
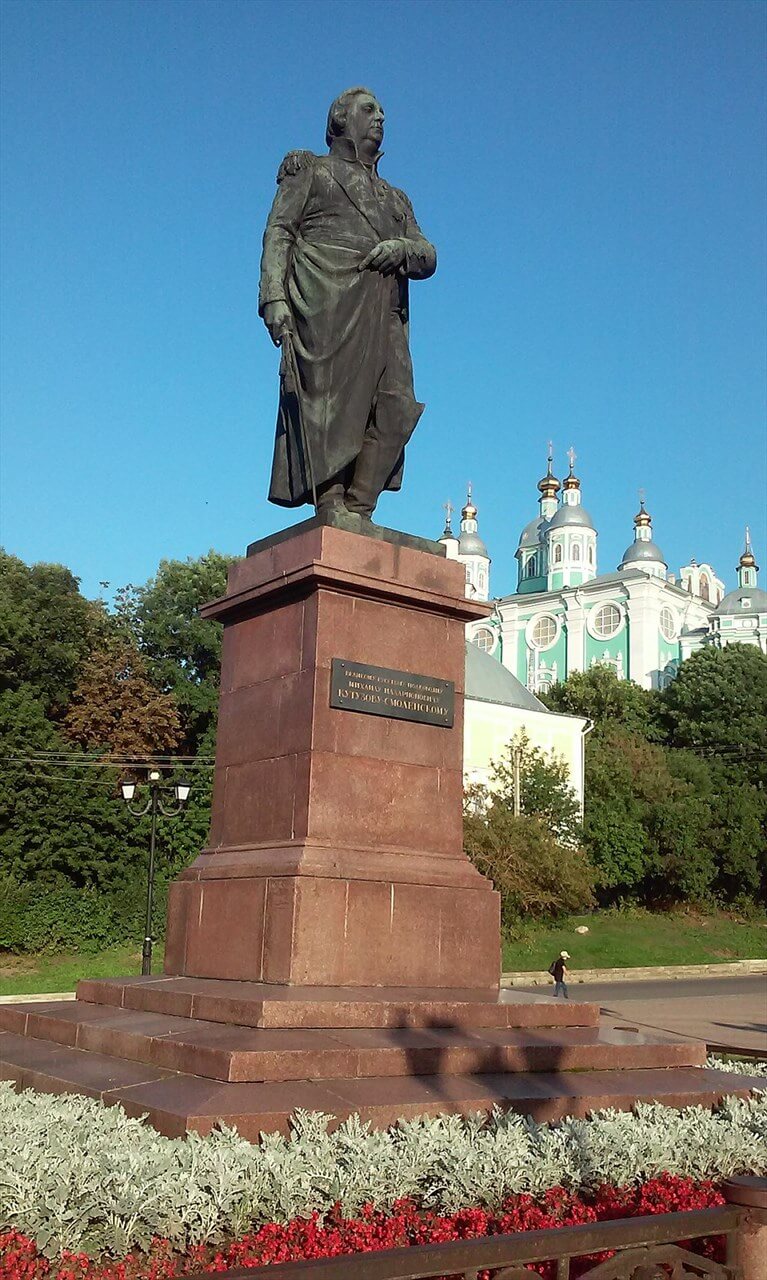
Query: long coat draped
(328, 213)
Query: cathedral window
(605, 621)
(531, 567)
(591, 554)
(576, 552)
(704, 591)
(558, 553)
(484, 639)
(668, 624)
(543, 632)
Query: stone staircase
(189, 1052)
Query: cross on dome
(572, 481)
(747, 559)
(549, 486)
(642, 517)
(448, 509)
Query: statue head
(358, 115)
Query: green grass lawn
(615, 939)
(29, 975)
(637, 938)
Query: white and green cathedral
(566, 616)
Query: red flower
(374, 1229)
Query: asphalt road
(752, 985)
(727, 1013)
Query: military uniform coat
(349, 326)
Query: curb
(38, 997)
(539, 978)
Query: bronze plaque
(378, 691)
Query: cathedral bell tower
(472, 552)
(643, 553)
(531, 552)
(571, 539)
(747, 566)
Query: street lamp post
(154, 805)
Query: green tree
(717, 706)
(607, 701)
(46, 629)
(60, 824)
(534, 859)
(614, 831)
(534, 874)
(184, 649)
(735, 824)
(648, 823)
(545, 788)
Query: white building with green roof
(566, 616)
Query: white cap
(564, 955)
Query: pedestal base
(336, 852)
(332, 932)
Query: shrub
(534, 874)
(36, 919)
(81, 1176)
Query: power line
(123, 763)
(116, 757)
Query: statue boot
(393, 422)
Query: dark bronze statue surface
(340, 247)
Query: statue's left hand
(386, 257)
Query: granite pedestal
(335, 853)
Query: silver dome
(470, 544)
(643, 552)
(733, 601)
(533, 532)
(571, 515)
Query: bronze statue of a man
(339, 249)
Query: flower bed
(77, 1177)
(374, 1230)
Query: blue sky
(592, 173)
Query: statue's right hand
(277, 318)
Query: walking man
(558, 969)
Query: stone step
(237, 1054)
(253, 1004)
(174, 1103)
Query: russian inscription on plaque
(379, 691)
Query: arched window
(531, 567)
(484, 639)
(705, 591)
(558, 553)
(605, 621)
(544, 632)
(667, 623)
(576, 552)
(591, 554)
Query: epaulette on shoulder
(293, 162)
(400, 194)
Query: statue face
(365, 123)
